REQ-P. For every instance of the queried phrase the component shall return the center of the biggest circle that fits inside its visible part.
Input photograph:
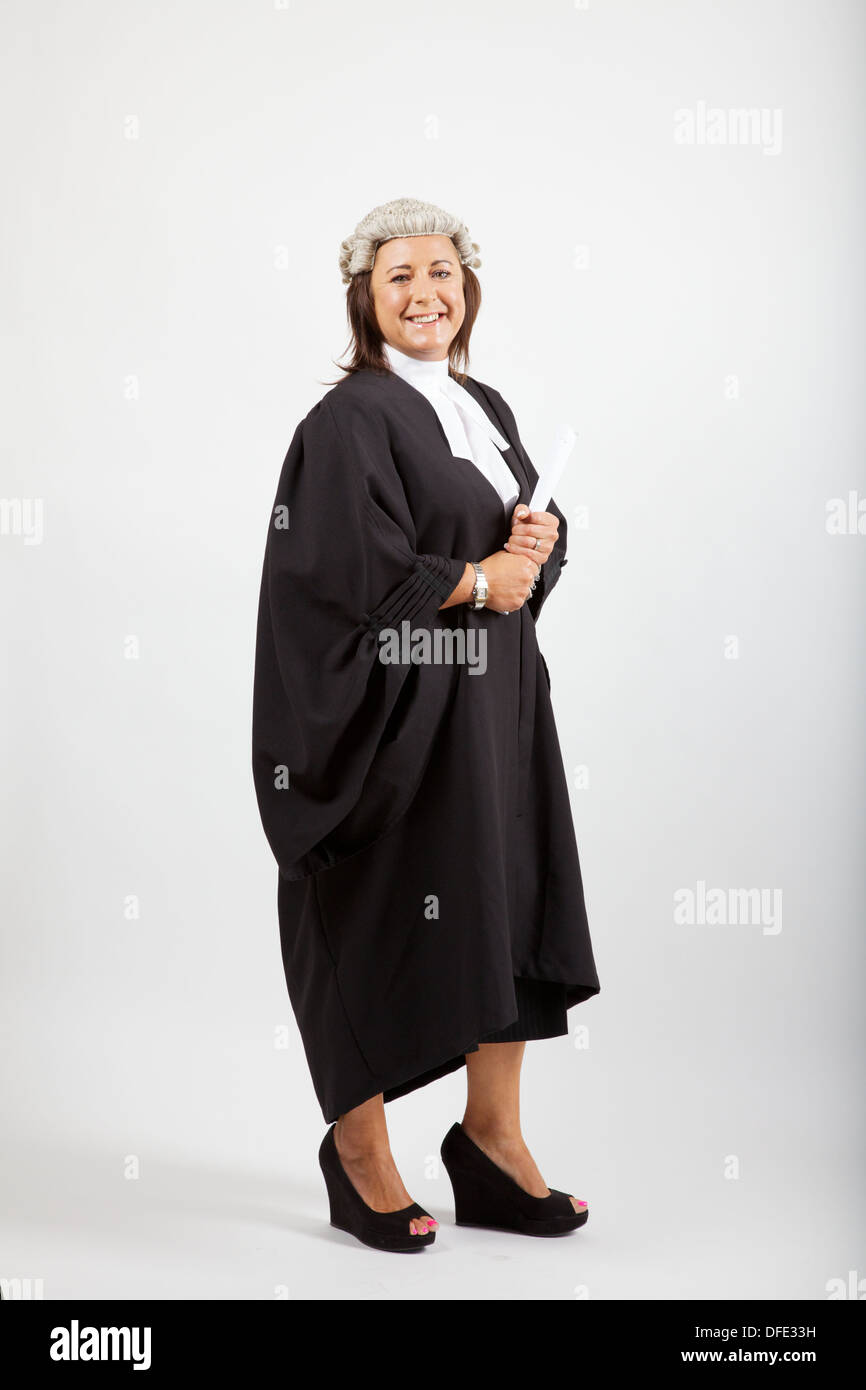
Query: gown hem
(422, 1075)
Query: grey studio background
(670, 214)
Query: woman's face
(418, 277)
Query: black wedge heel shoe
(485, 1195)
(383, 1230)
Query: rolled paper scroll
(548, 478)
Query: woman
(405, 756)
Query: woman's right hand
(509, 580)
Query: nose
(423, 297)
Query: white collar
(433, 380)
(423, 374)
(469, 431)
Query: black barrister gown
(418, 811)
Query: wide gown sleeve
(340, 738)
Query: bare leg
(492, 1116)
(361, 1137)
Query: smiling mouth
(423, 319)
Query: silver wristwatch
(480, 591)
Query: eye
(403, 276)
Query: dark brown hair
(366, 341)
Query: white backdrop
(686, 286)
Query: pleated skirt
(541, 1013)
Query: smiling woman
(419, 312)
(430, 899)
(383, 304)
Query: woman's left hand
(526, 528)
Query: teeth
(423, 318)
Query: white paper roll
(548, 478)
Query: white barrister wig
(403, 217)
